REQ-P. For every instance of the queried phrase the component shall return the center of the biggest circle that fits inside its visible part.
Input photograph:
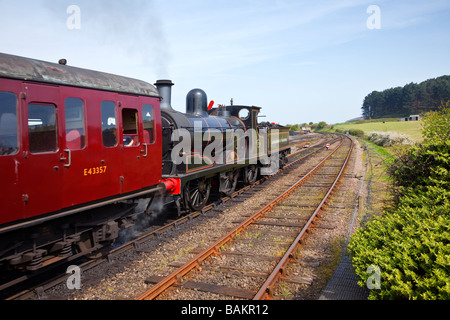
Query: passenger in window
(130, 141)
(130, 127)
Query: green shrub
(411, 246)
(356, 132)
(411, 243)
(422, 165)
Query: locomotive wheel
(250, 174)
(196, 193)
(228, 182)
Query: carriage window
(109, 125)
(149, 123)
(130, 127)
(75, 127)
(42, 129)
(8, 124)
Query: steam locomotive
(80, 149)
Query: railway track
(268, 238)
(38, 291)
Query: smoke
(158, 207)
(133, 29)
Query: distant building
(413, 117)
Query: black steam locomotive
(207, 147)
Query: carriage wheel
(196, 193)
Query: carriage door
(10, 156)
(43, 167)
(78, 186)
(132, 144)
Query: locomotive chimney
(165, 91)
(197, 102)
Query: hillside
(410, 128)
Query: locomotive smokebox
(165, 91)
(197, 102)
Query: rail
(278, 271)
(177, 275)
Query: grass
(409, 128)
(384, 152)
(378, 196)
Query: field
(410, 128)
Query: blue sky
(300, 61)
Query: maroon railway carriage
(71, 140)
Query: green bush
(411, 243)
(421, 166)
(411, 246)
(356, 132)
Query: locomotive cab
(204, 148)
(247, 114)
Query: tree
(321, 125)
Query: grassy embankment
(409, 128)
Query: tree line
(410, 99)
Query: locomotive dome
(197, 102)
(21, 68)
